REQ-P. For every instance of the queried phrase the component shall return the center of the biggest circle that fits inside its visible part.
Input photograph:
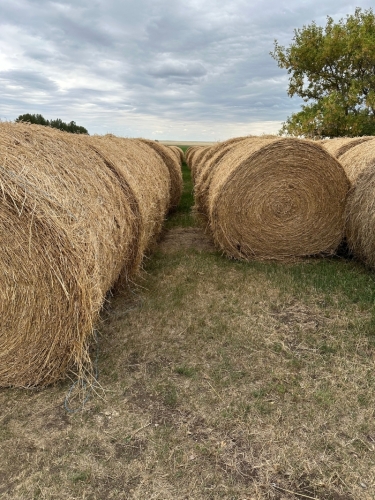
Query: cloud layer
(153, 68)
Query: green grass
(183, 217)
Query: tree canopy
(334, 68)
(38, 119)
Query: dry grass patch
(222, 380)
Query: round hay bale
(359, 164)
(204, 173)
(174, 167)
(68, 228)
(340, 145)
(179, 153)
(197, 159)
(358, 158)
(191, 152)
(277, 199)
(147, 176)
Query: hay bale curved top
(68, 226)
(174, 167)
(277, 199)
(358, 158)
(340, 145)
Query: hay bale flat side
(68, 228)
(277, 199)
(340, 145)
(174, 167)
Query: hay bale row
(76, 213)
(174, 167)
(179, 153)
(272, 198)
(190, 153)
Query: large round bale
(358, 158)
(340, 145)
(359, 164)
(191, 152)
(68, 228)
(179, 153)
(174, 167)
(197, 158)
(147, 176)
(204, 172)
(277, 199)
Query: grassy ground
(221, 380)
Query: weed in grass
(81, 476)
(168, 393)
(186, 371)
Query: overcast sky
(161, 69)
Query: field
(217, 379)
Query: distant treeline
(71, 127)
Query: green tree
(71, 127)
(333, 68)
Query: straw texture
(340, 145)
(148, 178)
(68, 227)
(173, 165)
(179, 153)
(204, 172)
(359, 164)
(71, 223)
(277, 199)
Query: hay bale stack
(69, 225)
(359, 164)
(277, 199)
(179, 153)
(173, 165)
(204, 172)
(340, 145)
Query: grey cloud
(27, 80)
(178, 69)
(102, 60)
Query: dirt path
(181, 238)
